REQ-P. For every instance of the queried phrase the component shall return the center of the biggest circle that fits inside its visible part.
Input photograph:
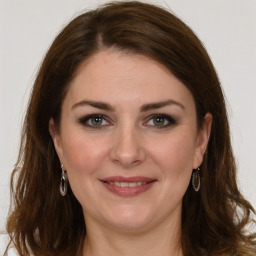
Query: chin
(130, 219)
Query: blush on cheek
(82, 158)
(176, 161)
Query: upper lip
(128, 179)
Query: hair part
(41, 220)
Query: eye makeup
(99, 121)
(95, 121)
(160, 121)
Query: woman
(126, 147)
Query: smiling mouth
(128, 187)
(127, 184)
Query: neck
(163, 239)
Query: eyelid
(170, 119)
(85, 119)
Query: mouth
(128, 186)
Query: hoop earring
(63, 181)
(196, 180)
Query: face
(129, 141)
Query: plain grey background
(226, 27)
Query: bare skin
(129, 141)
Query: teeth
(127, 184)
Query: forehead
(119, 77)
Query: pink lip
(128, 179)
(128, 191)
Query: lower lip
(127, 191)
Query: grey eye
(159, 121)
(95, 121)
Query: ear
(56, 139)
(202, 140)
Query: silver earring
(196, 180)
(63, 182)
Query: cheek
(175, 155)
(175, 160)
(83, 160)
(82, 154)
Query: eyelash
(86, 119)
(170, 121)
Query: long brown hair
(41, 221)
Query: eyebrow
(143, 108)
(95, 104)
(156, 105)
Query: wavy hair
(41, 221)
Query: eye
(160, 121)
(94, 121)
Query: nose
(128, 150)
